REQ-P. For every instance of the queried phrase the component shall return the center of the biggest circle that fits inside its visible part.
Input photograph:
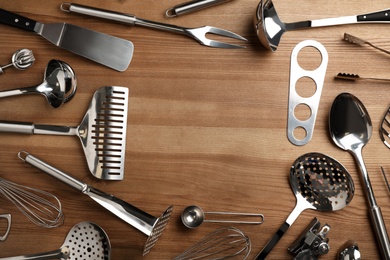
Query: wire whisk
(222, 243)
(41, 207)
(21, 59)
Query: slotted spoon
(85, 240)
(319, 182)
(102, 132)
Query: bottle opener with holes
(295, 100)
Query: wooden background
(205, 126)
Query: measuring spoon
(58, 78)
(319, 182)
(351, 129)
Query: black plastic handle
(381, 16)
(272, 242)
(16, 20)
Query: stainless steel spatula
(102, 132)
(107, 50)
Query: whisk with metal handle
(41, 207)
(21, 59)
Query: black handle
(272, 242)
(16, 20)
(381, 16)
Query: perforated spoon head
(321, 181)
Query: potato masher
(86, 240)
(319, 182)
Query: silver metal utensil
(21, 59)
(192, 6)
(199, 34)
(144, 222)
(319, 182)
(384, 129)
(222, 243)
(349, 251)
(270, 28)
(102, 132)
(85, 240)
(58, 86)
(351, 128)
(7, 217)
(356, 77)
(355, 40)
(113, 52)
(40, 207)
(194, 216)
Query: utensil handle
(59, 175)
(273, 241)
(30, 128)
(8, 218)
(380, 231)
(17, 21)
(380, 16)
(62, 253)
(192, 6)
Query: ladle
(270, 28)
(194, 216)
(58, 86)
(319, 182)
(85, 240)
(351, 129)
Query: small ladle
(58, 86)
(351, 128)
(194, 216)
(270, 28)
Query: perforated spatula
(102, 132)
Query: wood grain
(205, 126)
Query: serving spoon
(270, 28)
(351, 129)
(58, 86)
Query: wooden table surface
(206, 126)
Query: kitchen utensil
(144, 222)
(199, 34)
(355, 40)
(102, 132)
(85, 240)
(7, 217)
(40, 207)
(270, 28)
(194, 216)
(58, 85)
(192, 6)
(349, 251)
(222, 243)
(21, 59)
(105, 49)
(351, 129)
(356, 77)
(385, 129)
(296, 101)
(385, 177)
(319, 182)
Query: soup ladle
(351, 128)
(58, 86)
(270, 28)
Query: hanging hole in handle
(65, 7)
(171, 12)
(23, 155)
(309, 58)
(7, 217)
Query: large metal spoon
(270, 28)
(59, 79)
(319, 182)
(351, 129)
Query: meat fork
(198, 34)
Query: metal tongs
(198, 34)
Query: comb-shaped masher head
(103, 132)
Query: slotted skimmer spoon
(85, 240)
(270, 28)
(199, 34)
(319, 182)
(102, 132)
